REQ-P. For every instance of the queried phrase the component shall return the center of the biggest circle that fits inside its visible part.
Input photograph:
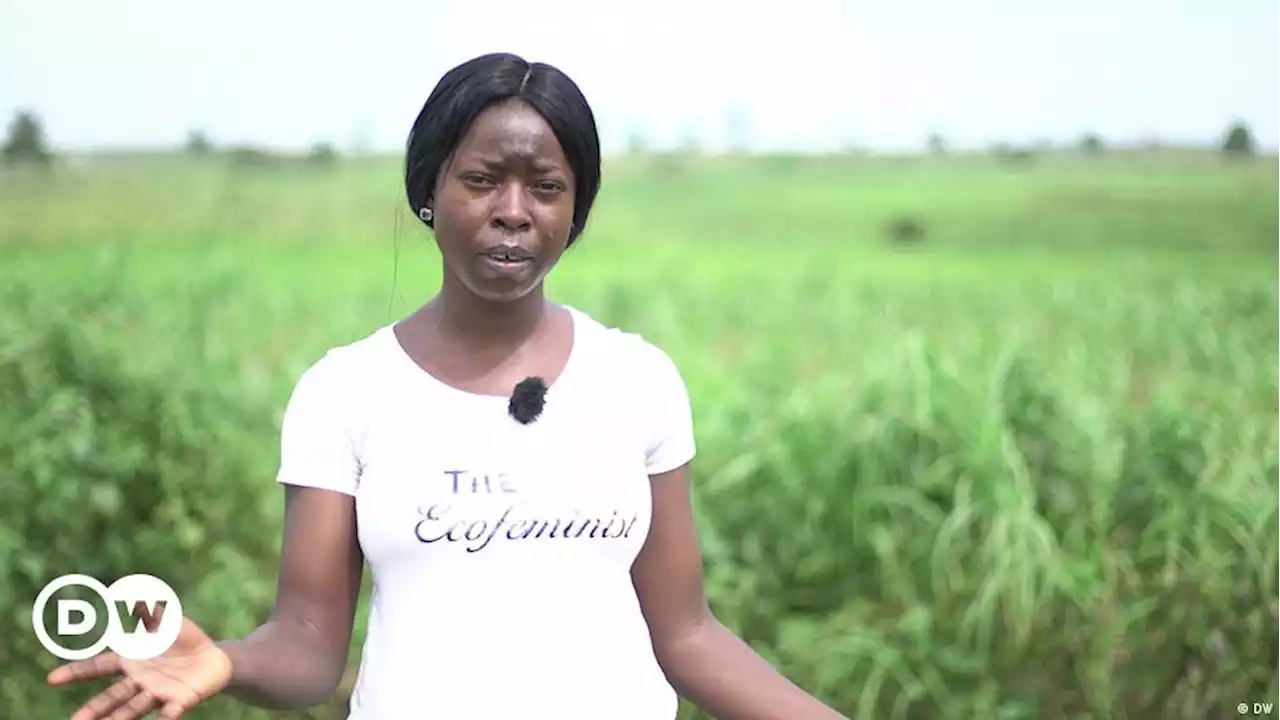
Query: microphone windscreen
(527, 400)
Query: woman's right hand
(192, 671)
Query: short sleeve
(670, 419)
(316, 443)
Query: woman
(533, 551)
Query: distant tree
(1011, 154)
(936, 145)
(198, 143)
(248, 157)
(1238, 140)
(323, 154)
(25, 142)
(1091, 144)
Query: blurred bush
(122, 458)
(936, 546)
(1092, 144)
(323, 155)
(905, 230)
(198, 143)
(1239, 140)
(919, 545)
(25, 141)
(1028, 471)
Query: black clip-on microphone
(527, 400)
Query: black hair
(468, 89)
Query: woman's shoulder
(620, 347)
(344, 365)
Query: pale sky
(806, 74)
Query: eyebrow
(540, 165)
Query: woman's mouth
(508, 260)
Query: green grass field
(1024, 468)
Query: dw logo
(145, 623)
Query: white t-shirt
(500, 552)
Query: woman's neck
(457, 313)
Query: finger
(107, 663)
(141, 704)
(172, 711)
(107, 700)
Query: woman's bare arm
(297, 658)
(704, 661)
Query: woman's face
(504, 204)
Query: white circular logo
(144, 617)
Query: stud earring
(426, 214)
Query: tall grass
(1024, 469)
